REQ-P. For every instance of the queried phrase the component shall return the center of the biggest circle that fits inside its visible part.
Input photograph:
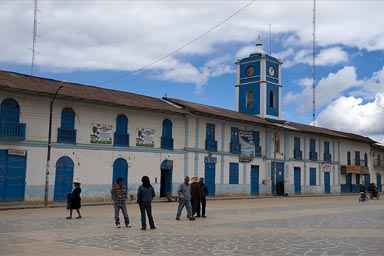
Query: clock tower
(258, 84)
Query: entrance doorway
(63, 178)
(166, 169)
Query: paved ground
(334, 225)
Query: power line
(180, 48)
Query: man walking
(195, 196)
(203, 194)
(184, 193)
(120, 193)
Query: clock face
(271, 71)
(250, 71)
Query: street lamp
(274, 155)
(61, 85)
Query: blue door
(297, 180)
(120, 169)
(367, 180)
(279, 178)
(327, 182)
(378, 182)
(254, 180)
(349, 183)
(12, 176)
(210, 176)
(63, 179)
(166, 177)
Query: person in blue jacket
(145, 194)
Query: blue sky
(92, 42)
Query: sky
(188, 49)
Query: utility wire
(180, 48)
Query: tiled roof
(43, 86)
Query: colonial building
(52, 132)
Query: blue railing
(257, 151)
(12, 130)
(167, 143)
(327, 157)
(121, 140)
(235, 148)
(313, 156)
(66, 136)
(298, 154)
(211, 145)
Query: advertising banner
(145, 137)
(247, 146)
(101, 134)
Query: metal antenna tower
(34, 36)
(314, 65)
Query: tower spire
(259, 47)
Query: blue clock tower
(258, 84)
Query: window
(366, 160)
(249, 99)
(297, 153)
(357, 158)
(210, 142)
(312, 176)
(312, 150)
(233, 173)
(272, 99)
(121, 137)
(235, 145)
(256, 141)
(348, 158)
(166, 138)
(10, 128)
(327, 155)
(67, 133)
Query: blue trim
(63, 178)
(243, 99)
(210, 142)
(166, 139)
(312, 176)
(121, 137)
(274, 110)
(10, 128)
(235, 147)
(9, 110)
(233, 173)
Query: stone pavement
(333, 225)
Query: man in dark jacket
(195, 195)
(203, 195)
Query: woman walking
(145, 194)
(74, 200)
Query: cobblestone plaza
(327, 225)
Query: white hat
(77, 181)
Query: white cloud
(351, 114)
(327, 89)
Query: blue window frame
(357, 158)
(210, 142)
(312, 176)
(327, 155)
(121, 136)
(235, 147)
(10, 128)
(366, 160)
(348, 158)
(166, 138)
(312, 150)
(297, 153)
(233, 173)
(256, 141)
(67, 133)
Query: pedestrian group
(191, 196)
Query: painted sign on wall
(247, 146)
(145, 137)
(101, 134)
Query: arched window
(166, 139)
(67, 133)
(272, 99)
(249, 99)
(121, 137)
(348, 158)
(10, 110)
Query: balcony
(313, 156)
(378, 163)
(235, 148)
(257, 151)
(121, 140)
(167, 143)
(211, 145)
(12, 130)
(298, 155)
(66, 136)
(327, 157)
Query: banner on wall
(247, 146)
(145, 137)
(101, 134)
